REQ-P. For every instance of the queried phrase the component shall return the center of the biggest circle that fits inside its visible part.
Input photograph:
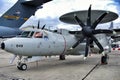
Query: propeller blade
(91, 43)
(98, 20)
(87, 47)
(89, 17)
(79, 21)
(38, 27)
(114, 37)
(102, 31)
(98, 44)
(77, 43)
(43, 27)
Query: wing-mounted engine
(88, 21)
(63, 31)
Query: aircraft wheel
(19, 67)
(62, 57)
(22, 66)
(104, 59)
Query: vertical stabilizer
(111, 26)
(21, 11)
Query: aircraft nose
(2, 45)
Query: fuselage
(7, 32)
(44, 43)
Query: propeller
(43, 27)
(88, 31)
(38, 27)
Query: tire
(104, 60)
(23, 67)
(62, 57)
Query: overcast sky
(51, 11)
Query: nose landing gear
(20, 65)
(3, 45)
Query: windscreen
(27, 34)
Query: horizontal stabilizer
(34, 2)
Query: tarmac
(73, 68)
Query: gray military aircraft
(41, 42)
(19, 13)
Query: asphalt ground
(73, 68)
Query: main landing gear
(62, 57)
(104, 59)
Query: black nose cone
(2, 45)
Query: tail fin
(20, 12)
(111, 26)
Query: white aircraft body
(50, 43)
(37, 42)
(41, 42)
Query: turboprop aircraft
(20, 12)
(41, 42)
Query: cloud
(5, 5)
(49, 21)
(55, 8)
(51, 11)
(115, 6)
(117, 1)
(1, 3)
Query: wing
(104, 31)
(76, 33)
(117, 31)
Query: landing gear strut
(62, 57)
(21, 65)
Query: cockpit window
(27, 34)
(38, 35)
(31, 34)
